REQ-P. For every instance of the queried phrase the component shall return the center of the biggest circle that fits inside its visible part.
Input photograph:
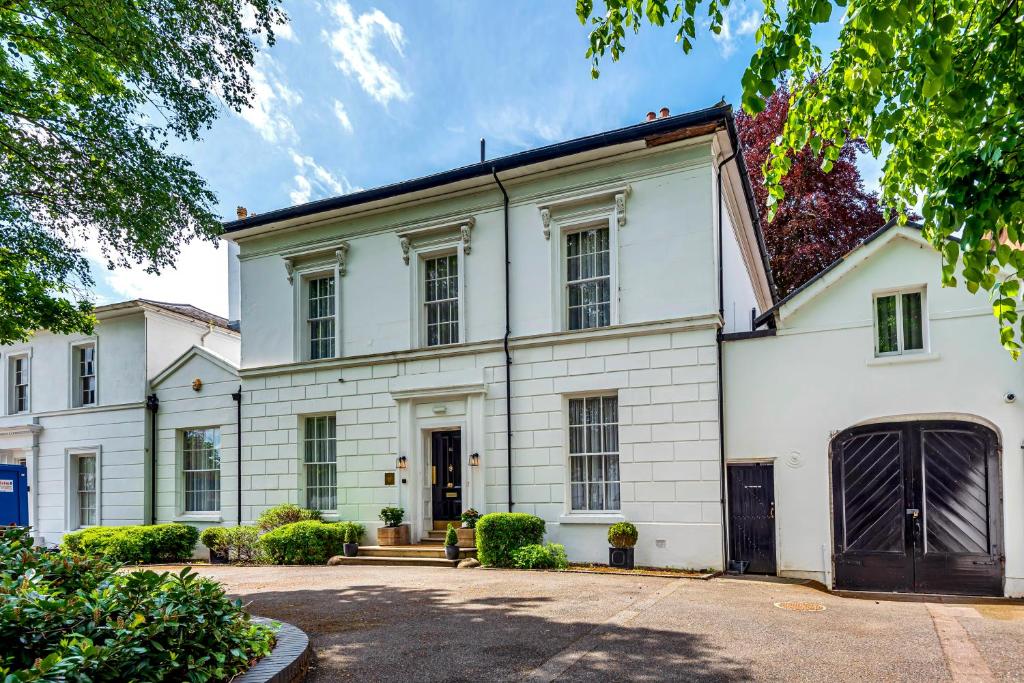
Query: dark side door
(13, 495)
(917, 508)
(752, 516)
(446, 474)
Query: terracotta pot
(467, 537)
(393, 535)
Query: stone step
(442, 524)
(423, 550)
(395, 561)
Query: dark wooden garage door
(917, 508)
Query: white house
(873, 432)
(375, 328)
(74, 411)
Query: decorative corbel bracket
(341, 255)
(545, 219)
(467, 230)
(620, 207)
(289, 267)
(404, 241)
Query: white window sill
(591, 518)
(200, 517)
(903, 358)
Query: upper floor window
(899, 323)
(84, 369)
(320, 317)
(320, 462)
(588, 278)
(441, 299)
(17, 373)
(200, 450)
(594, 453)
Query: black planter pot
(351, 549)
(218, 558)
(451, 552)
(620, 558)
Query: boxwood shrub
(135, 544)
(309, 542)
(550, 556)
(499, 534)
(285, 513)
(237, 543)
(72, 617)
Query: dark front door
(917, 508)
(446, 474)
(752, 516)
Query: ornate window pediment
(463, 228)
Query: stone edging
(288, 661)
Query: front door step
(395, 561)
(424, 550)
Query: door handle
(914, 512)
(771, 511)
(433, 474)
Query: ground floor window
(320, 463)
(85, 489)
(594, 453)
(200, 450)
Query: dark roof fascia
(768, 315)
(752, 334)
(619, 136)
(748, 192)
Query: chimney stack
(651, 116)
(241, 212)
(663, 112)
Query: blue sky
(357, 94)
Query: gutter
(719, 343)
(237, 396)
(152, 405)
(508, 335)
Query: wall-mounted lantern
(474, 460)
(403, 462)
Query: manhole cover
(801, 606)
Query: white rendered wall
(787, 395)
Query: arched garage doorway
(917, 508)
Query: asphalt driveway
(425, 624)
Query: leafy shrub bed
(72, 617)
(286, 513)
(309, 542)
(550, 556)
(236, 543)
(499, 534)
(135, 544)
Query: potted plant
(622, 537)
(451, 543)
(393, 532)
(467, 532)
(351, 545)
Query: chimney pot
(651, 116)
(241, 212)
(663, 112)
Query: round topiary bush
(622, 535)
(286, 513)
(309, 542)
(499, 534)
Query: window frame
(182, 474)
(303, 465)
(11, 406)
(606, 512)
(309, 321)
(76, 393)
(418, 263)
(72, 508)
(565, 225)
(898, 294)
(301, 277)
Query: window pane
(201, 469)
(320, 463)
(588, 279)
(86, 489)
(320, 320)
(594, 476)
(885, 314)
(913, 335)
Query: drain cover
(801, 606)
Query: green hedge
(135, 544)
(285, 513)
(309, 542)
(237, 543)
(550, 556)
(499, 534)
(71, 617)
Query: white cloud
(352, 40)
(737, 21)
(285, 32)
(314, 181)
(517, 126)
(271, 99)
(342, 115)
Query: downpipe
(721, 389)
(237, 397)
(152, 405)
(508, 334)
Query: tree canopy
(823, 215)
(937, 85)
(91, 96)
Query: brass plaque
(450, 494)
(389, 478)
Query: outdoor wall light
(474, 460)
(403, 462)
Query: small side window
(899, 323)
(83, 368)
